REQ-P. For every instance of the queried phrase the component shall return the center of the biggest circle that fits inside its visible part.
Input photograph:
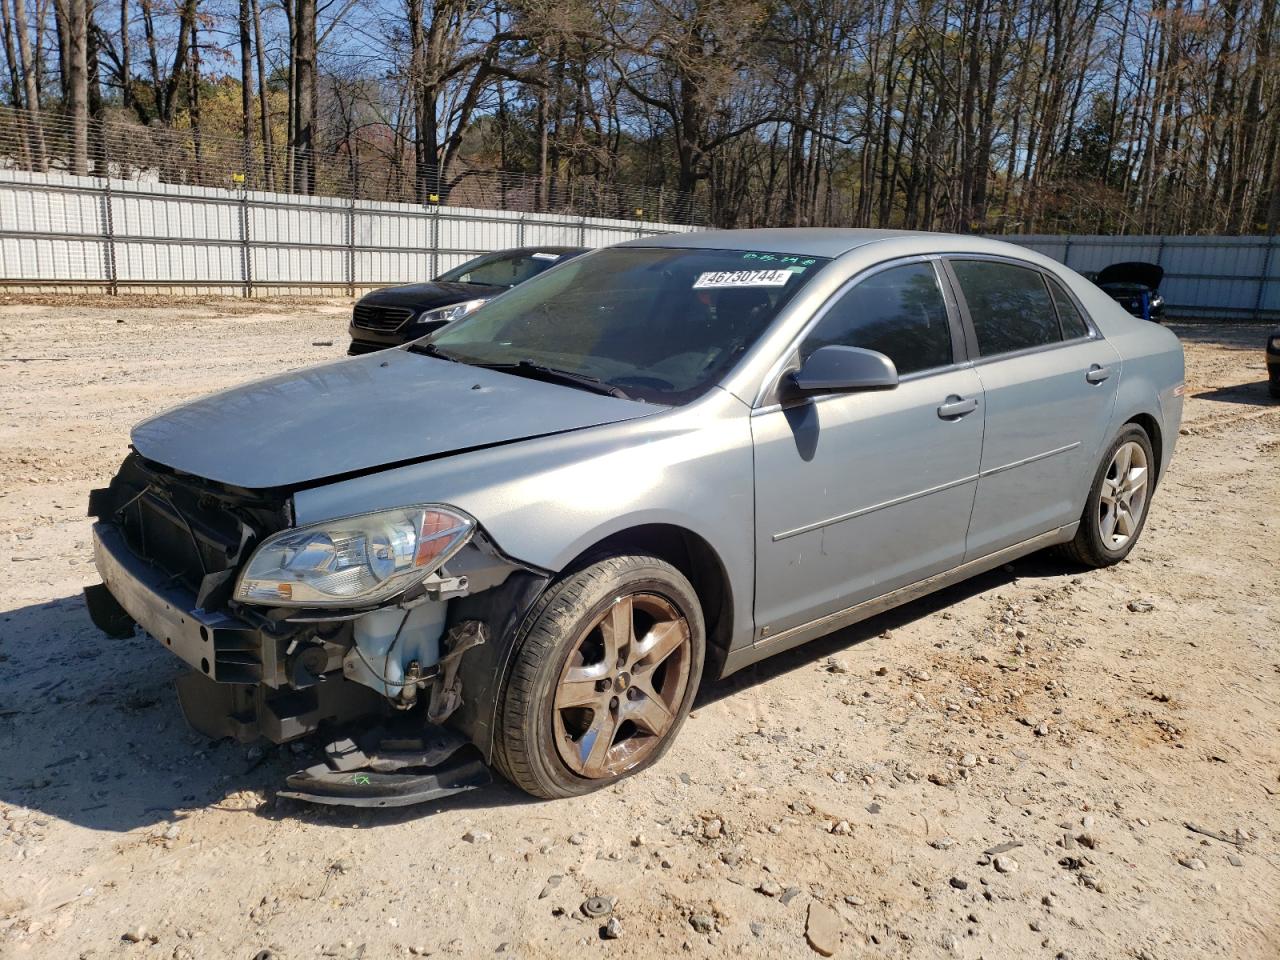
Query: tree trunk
(11, 57)
(422, 98)
(540, 198)
(264, 108)
(27, 68)
(126, 61)
(304, 83)
(62, 27)
(1273, 208)
(193, 95)
(77, 92)
(153, 62)
(245, 24)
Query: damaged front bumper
(282, 675)
(238, 687)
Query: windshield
(503, 269)
(660, 324)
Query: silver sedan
(524, 541)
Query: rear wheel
(1116, 509)
(602, 679)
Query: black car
(1134, 285)
(1273, 362)
(395, 315)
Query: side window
(899, 312)
(1009, 306)
(1073, 324)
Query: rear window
(1010, 306)
(1073, 325)
(502, 270)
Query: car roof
(545, 248)
(810, 241)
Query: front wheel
(1116, 509)
(603, 677)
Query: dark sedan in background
(1134, 285)
(396, 315)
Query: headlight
(1274, 344)
(355, 561)
(454, 311)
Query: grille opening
(382, 319)
(190, 528)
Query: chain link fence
(156, 218)
(371, 163)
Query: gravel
(1135, 699)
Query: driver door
(858, 494)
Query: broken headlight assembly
(355, 561)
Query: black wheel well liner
(1152, 427)
(693, 556)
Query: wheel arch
(1151, 426)
(693, 556)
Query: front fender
(547, 500)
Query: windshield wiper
(537, 371)
(431, 350)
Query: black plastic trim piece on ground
(395, 773)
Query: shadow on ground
(93, 735)
(1238, 336)
(1255, 394)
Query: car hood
(357, 415)
(1131, 272)
(427, 295)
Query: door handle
(1096, 373)
(955, 407)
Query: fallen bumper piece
(397, 772)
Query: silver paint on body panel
(549, 471)
(869, 490)
(362, 413)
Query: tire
(1091, 547)
(1274, 386)
(545, 742)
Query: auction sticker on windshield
(742, 278)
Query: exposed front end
(371, 628)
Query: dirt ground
(859, 789)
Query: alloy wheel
(621, 688)
(1124, 495)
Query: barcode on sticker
(545, 256)
(742, 278)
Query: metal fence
(370, 161)
(67, 233)
(1205, 277)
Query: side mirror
(838, 369)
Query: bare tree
(303, 96)
(74, 21)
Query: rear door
(860, 493)
(1050, 383)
